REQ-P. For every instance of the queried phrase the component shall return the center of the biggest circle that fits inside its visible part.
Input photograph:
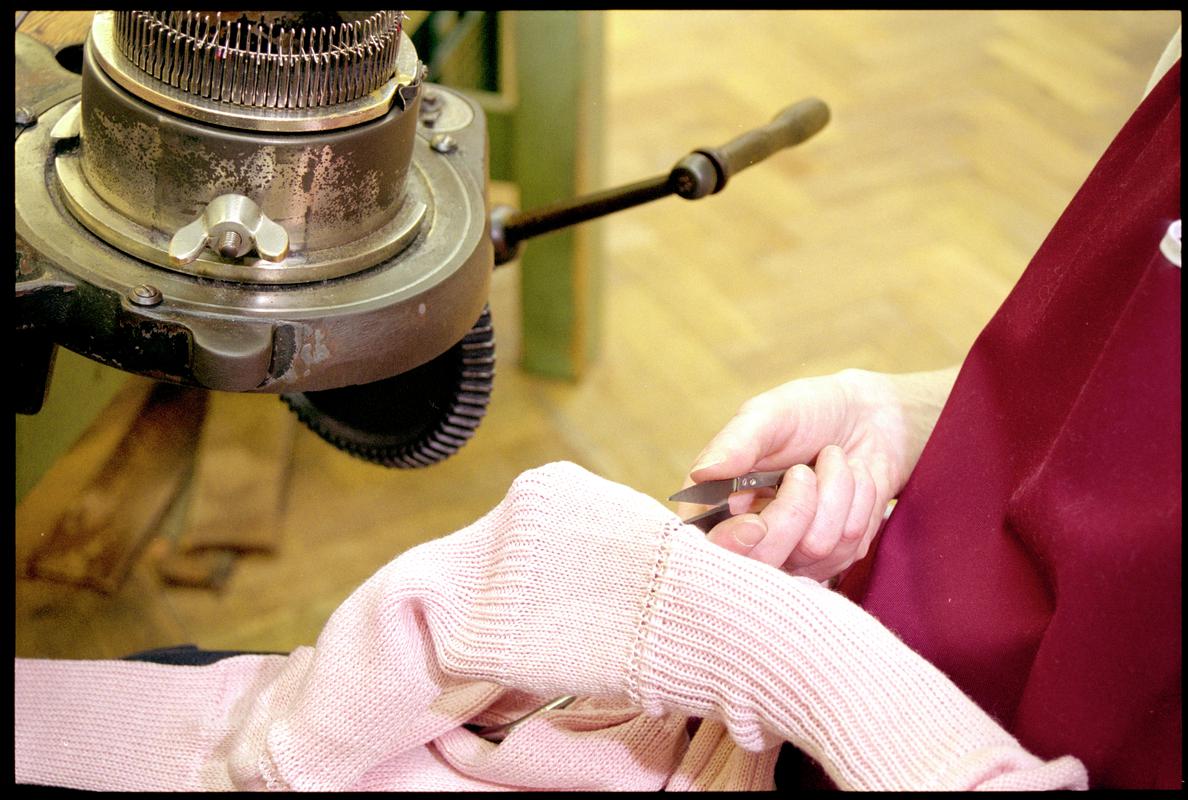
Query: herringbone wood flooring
(885, 243)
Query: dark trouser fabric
(189, 655)
(1034, 555)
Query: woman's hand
(848, 440)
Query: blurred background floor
(884, 243)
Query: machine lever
(702, 172)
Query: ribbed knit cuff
(562, 608)
(571, 585)
(546, 592)
(776, 656)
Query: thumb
(736, 449)
(778, 428)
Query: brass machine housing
(245, 238)
(279, 202)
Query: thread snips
(717, 494)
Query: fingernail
(804, 473)
(749, 533)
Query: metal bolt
(145, 295)
(25, 116)
(443, 143)
(431, 100)
(228, 244)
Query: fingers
(750, 500)
(880, 471)
(822, 518)
(862, 506)
(834, 499)
(872, 491)
(820, 521)
(739, 534)
(772, 534)
(733, 451)
(788, 516)
(756, 522)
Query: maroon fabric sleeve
(1034, 555)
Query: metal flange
(359, 328)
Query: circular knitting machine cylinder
(248, 201)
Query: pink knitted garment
(571, 585)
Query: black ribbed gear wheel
(416, 418)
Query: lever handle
(795, 124)
(698, 174)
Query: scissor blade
(708, 519)
(708, 493)
(714, 492)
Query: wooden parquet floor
(885, 243)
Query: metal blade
(712, 492)
(709, 492)
(708, 519)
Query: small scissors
(717, 493)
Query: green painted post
(545, 130)
(556, 154)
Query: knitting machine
(281, 202)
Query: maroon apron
(1034, 554)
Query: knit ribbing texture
(571, 585)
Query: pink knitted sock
(572, 584)
(768, 654)
(601, 590)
